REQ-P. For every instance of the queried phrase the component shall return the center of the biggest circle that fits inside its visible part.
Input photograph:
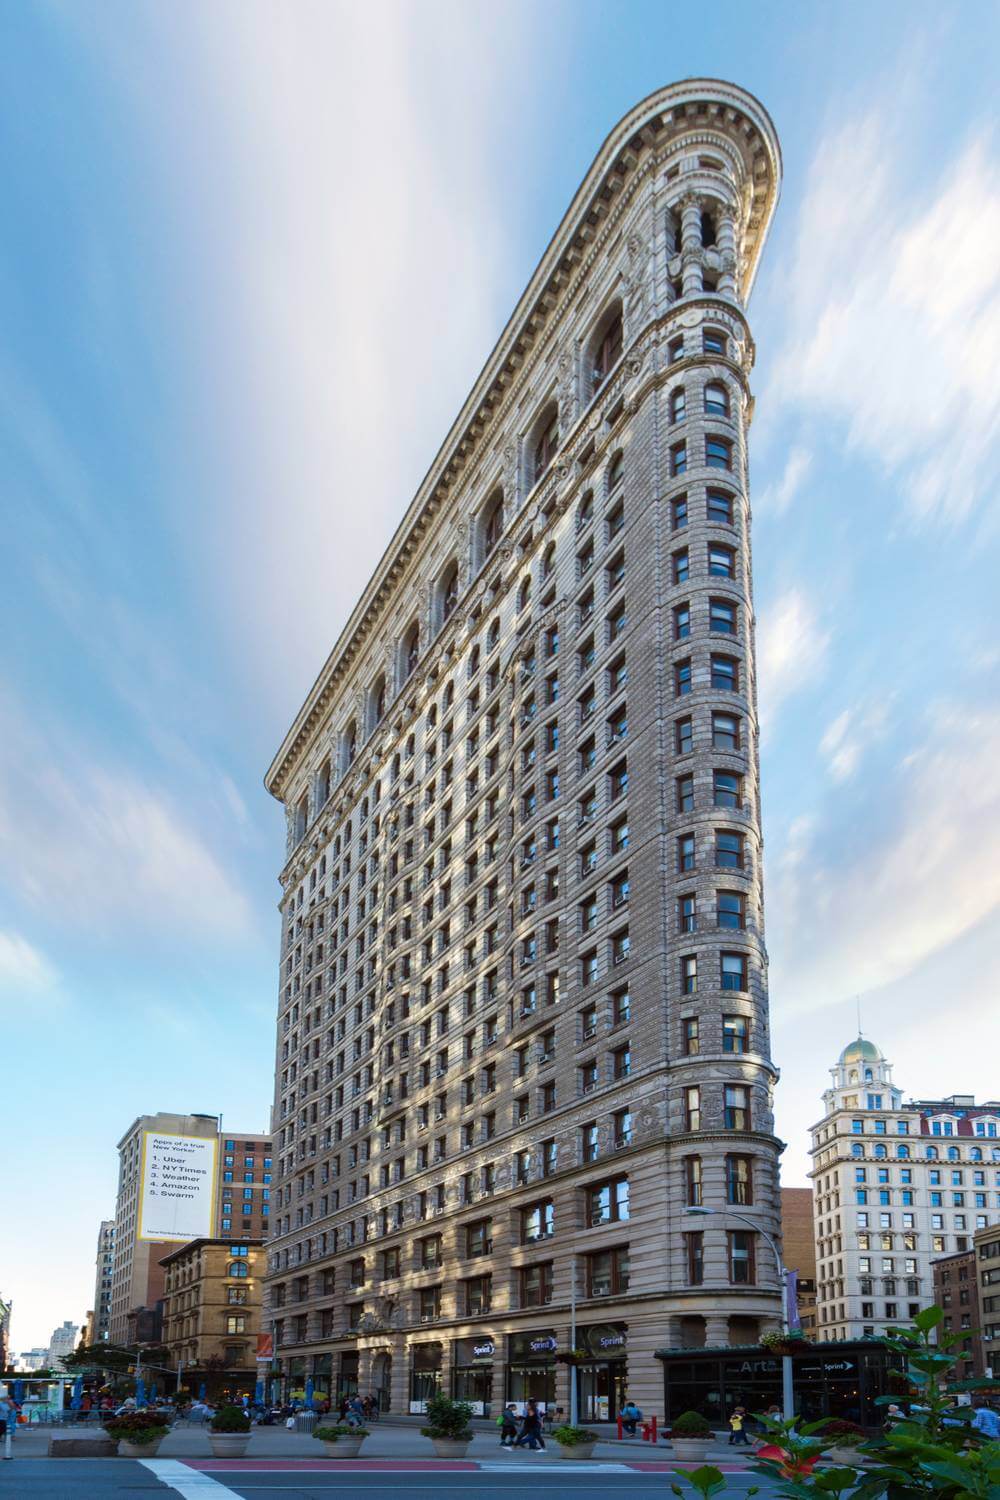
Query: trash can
(305, 1421)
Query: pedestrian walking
(737, 1429)
(507, 1423)
(531, 1429)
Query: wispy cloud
(848, 736)
(23, 968)
(366, 265)
(866, 892)
(775, 499)
(85, 839)
(792, 646)
(894, 313)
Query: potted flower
(448, 1426)
(778, 1341)
(570, 1356)
(229, 1432)
(574, 1442)
(844, 1439)
(341, 1441)
(139, 1433)
(690, 1436)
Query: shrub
(448, 1419)
(137, 1427)
(842, 1434)
(690, 1424)
(573, 1437)
(230, 1419)
(331, 1434)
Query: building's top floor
(862, 1086)
(701, 150)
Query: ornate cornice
(697, 109)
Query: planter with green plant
(448, 1426)
(341, 1441)
(844, 1438)
(229, 1432)
(574, 1442)
(138, 1433)
(690, 1435)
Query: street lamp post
(787, 1391)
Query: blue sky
(253, 256)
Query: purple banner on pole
(792, 1299)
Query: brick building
(800, 1250)
(955, 1291)
(212, 1297)
(523, 1018)
(241, 1210)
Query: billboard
(177, 1196)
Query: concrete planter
(575, 1450)
(847, 1457)
(450, 1447)
(691, 1448)
(347, 1447)
(138, 1450)
(229, 1444)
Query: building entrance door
(601, 1390)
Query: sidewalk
(388, 1440)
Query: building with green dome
(897, 1183)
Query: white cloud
(868, 896)
(23, 967)
(87, 841)
(350, 260)
(776, 498)
(848, 737)
(791, 649)
(893, 323)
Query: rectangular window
(695, 1258)
(736, 1110)
(734, 1034)
(608, 1202)
(739, 1179)
(607, 1272)
(742, 1270)
(536, 1285)
(733, 972)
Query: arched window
(585, 511)
(953, 1153)
(549, 560)
(975, 1154)
(880, 1153)
(903, 1152)
(607, 348)
(411, 651)
(716, 400)
(546, 442)
(492, 528)
(931, 1153)
(239, 1269)
(857, 1149)
(493, 635)
(524, 592)
(616, 472)
(449, 591)
(677, 404)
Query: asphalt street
(122, 1479)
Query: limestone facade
(523, 1018)
(897, 1183)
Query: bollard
(653, 1438)
(621, 1429)
(6, 1441)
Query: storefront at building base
(841, 1380)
